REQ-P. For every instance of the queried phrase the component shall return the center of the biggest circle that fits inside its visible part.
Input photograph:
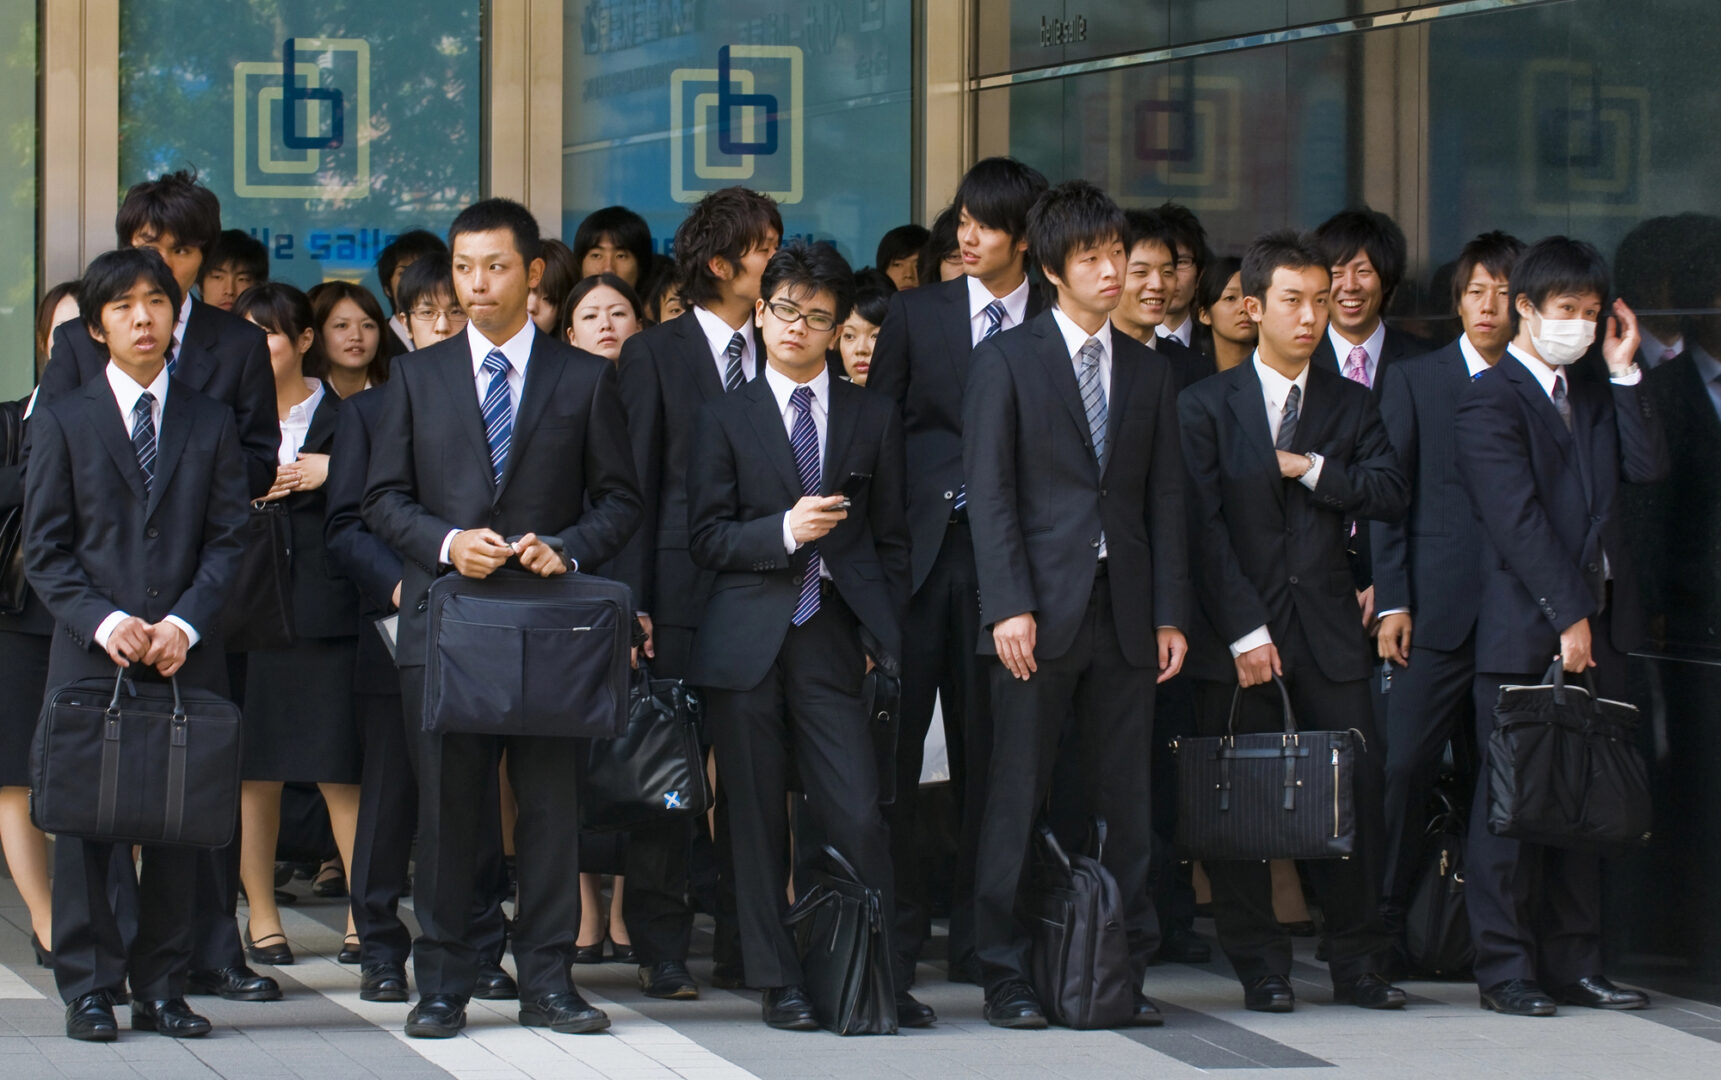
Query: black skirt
(299, 721)
(23, 685)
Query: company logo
(672, 800)
(301, 123)
(738, 123)
(1585, 143)
(1181, 140)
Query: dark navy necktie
(733, 376)
(498, 415)
(805, 441)
(143, 437)
(1288, 419)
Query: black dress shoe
(1518, 997)
(727, 977)
(789, 1008)
(44, 958)
(623, 954)
(589, 954)
(494, 984)
(90, 1017)
(566, 1014)
(382, 982)
(171, 1017)
(1370, 992)
(352, 951)
(1146, 1013)
(1271, 994)
(439, 1016)
(270, 949)
(911, 1013)
(1182, 945)
(1015, 1005)
(1597, 993)
(235, 984)
(668, 979)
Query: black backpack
(1079, 960)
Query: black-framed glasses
(790, 314)
(428, 316)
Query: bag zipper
(1335, 792)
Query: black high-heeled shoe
(622, 954)
(589, 954)
(352, 951)
(276, 953)
(44, 958)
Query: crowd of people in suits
(1081, 484)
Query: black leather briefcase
(259, 610)
(1286, 795)
(653, 770)
(882, 695)
(1564, 768)
(519, 654)
(1437, 937)
(1079, 953)
(839, 933)
(136, 762)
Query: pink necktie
(1356, 365)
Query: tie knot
(496, 363)
(802, 398)
(1295, 397)
(995, 311)
(737, 346)
(1089, 353)
(144, 401)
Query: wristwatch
(1313, 461)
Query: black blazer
(922, 361)
(96, 543)
(325, 604)
(742, 479)
(222, 356)
(34, 619)
(1679, 520)
(1038, 502)
(1266, 548)
(1545, 499)
(569, 471)
(1427, 562)
(666, 375)
(354, 551)
(1189, 366)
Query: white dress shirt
(297, 424)
(179, 325)
(1074, 338)
(980, 297)
(1474, 362)
(1342, 347)
(1655, 353)
(782, 387)
(518, 352)
(1183, 331)
(719, 334)
(1709, 370)
(398, 323)
(126, 392)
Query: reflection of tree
(18, 192)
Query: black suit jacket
(1678, 521)
(1038, 502)
(222, 357)
(325, 604)
(34, 619)
(1427, 562)
(1189, 366)
(666, 375)
(1545, 498)
(95, 542)
(569, 472)
(742, 479)
(922, 361)
(354, 551)
(1266, 548)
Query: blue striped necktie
(994, 313)
(143, 437)
(1093, 396)
(805, 442)
(498, 414)
(733, 374)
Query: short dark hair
(729, 222)
(662, 281)
(1642, 267)
(240, 250)
(1186, 232)
(45, 315)
(324, 296)
(1148, 226)
(998, 192)
(873, 290)
(899, 243)
(939, 244)
(427, 277)
(408, 247)
(623, 228)
(1554, 266)
(1495, 252)
(487, 215)
(277, 307)
(561, 271)
(1696, 282)
(583, 288)
(1284, 248)
(811, 268)
(1210, 286)
(112, 274)
(1347, 232)
(1072, 215)
(173, 203)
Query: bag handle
(1099, 835)
(1050, 844)
(1284, 696)
(1556, 674)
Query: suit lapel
(1248, 405)
(695, 352)
(1061, 370)
(196, 361)
(323, 422)
(1125, 366)
(1538, 402)
(958, 328)
(767, 423)
(1317, 411)
(170, 442)
(111, 430)
(839, 431)
(543, 371)
(455, 367)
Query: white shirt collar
(1342, 347)
(1015, 302)
(1654, 352)
(297, 423)
(518, 349)
(1275, 387)
(1544, 372)
(1075, 337)
(1474, 362)
(1707, 366)
(398, 323)
(782, 386)
(179, 325)
(126, 392)
(718, 333)
(1184, 332)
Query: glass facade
(18, 200)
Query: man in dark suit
(1070, 454)
(922, 362)
(133, 512)
(497, 432)
(1189, 247)
(1425, 566)
(1542, 458)
(808, 597)
(1282, 454)
(666, 374)
(1150, 281)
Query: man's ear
(722, 269)
(1252, 305)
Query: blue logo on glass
(728, 101)
(291, 96)
(738, 122)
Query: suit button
(1103, 493)
(423, 605)
(1094, 542)
(152, 532)
(1593, 568)
(950, 494)
(1595, 519)
(152, 592)
(1293, 579)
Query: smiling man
(1151, 283)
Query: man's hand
(870, 664)
(167, 648)
(1619, 347)
(650, 645)
(396, 597)
(286, 482)
(1365, 600)
(313, 471)
(1259, 665)
(1014, 638)
(1293, 466)
(1173, 647)
(476, 553)
(539, 557)
(814, 516)
(129, 641)
(1575, 647)
(1393, 641)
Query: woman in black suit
(299, 724)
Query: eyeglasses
(1185, 262)
(790, 314)
(429, 316)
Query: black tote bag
(1079, 953)
(839, 933)
(14, 590)
(653, 770)
(1437, 937)
(259, 612)
(1288, 795)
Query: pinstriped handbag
(1285, 795)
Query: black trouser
(1091, 703)
(93, 881)
(1172, 879)
(457, 789)
(1535, 911)
(807, 707)
(941, 662)
(1427, 708)
(654, 902)
(1348, 889)
(215, 879)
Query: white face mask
(1563, 341)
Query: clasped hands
(161, 645)
(478, 553)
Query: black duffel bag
(1564, 769)
(839, 934)
(134, 762)
(1286, 795)
(653, 770)
(1078, 956)
(259, 611)
(519, 654)
(1436, 922)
